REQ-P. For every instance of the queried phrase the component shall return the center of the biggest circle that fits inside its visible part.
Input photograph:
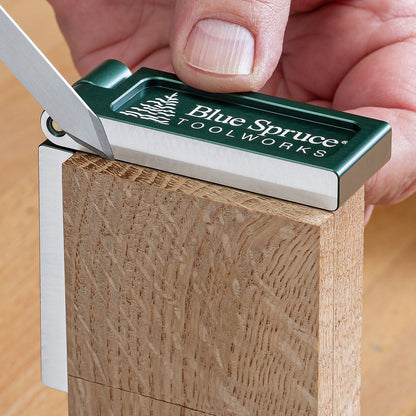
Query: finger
(396, 180)
(133, 32)
(226, 46)
(300, 6)
(367, 213)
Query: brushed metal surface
(49, 87)
(52, 267)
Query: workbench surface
(389, 322)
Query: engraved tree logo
(159, 110)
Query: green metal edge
(105, 95)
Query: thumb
(227, 46)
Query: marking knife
(268, 145)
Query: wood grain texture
(109, 401)
(340, 305)
(389, 314)
(209, 298)
(21, 390)
(348, 282)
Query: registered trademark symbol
(344, 142)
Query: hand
(352, 55)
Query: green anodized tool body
(292, 151)
(306, 154)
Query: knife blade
(50, 89)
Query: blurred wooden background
(389, 327)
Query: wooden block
(95, 399)
(206, 299)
